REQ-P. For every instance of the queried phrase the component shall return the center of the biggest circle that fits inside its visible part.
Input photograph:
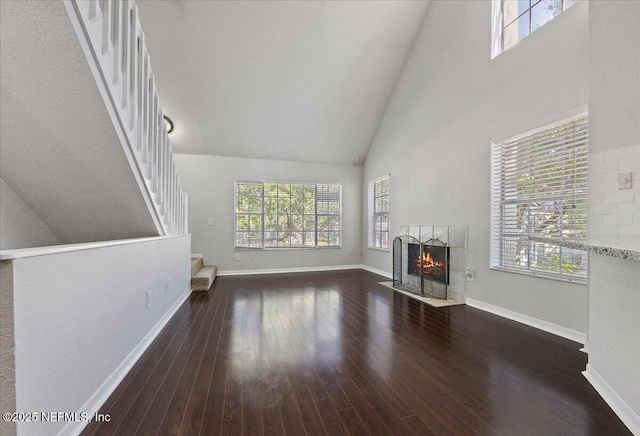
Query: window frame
(498, 25)
(327, 214)
(371, 213)
(497, 230)
(262, 214)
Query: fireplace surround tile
(435, 288)
(458, 259)
(426, 232)
(442, 233)
(455, 296)
(458, 236)
(457, 282)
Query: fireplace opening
(434, 262)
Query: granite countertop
(622, 247)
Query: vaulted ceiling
(304, 81)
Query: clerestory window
(515, 19)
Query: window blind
(328, 214)
(378, 206)
(539, 188)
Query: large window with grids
(287, 215)
(539, 189)
(379, 213)
(515, 19)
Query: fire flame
(428, 261)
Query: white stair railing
(114, 44)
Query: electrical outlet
(252, 256)
(166, 285)
(624, 180)
(149, 299)
(210, 221)
(237, 256)
(469, 273)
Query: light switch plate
(624, 180)
(210, 221)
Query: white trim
(563, 117)
(564, 332)
(542, 275)
(57, 249)
(197, 256)
(97, 400)
(370, 211)
(377, 179)
(377, 271)
(617, 404)
(287, 270)
(304, 269)
(585, 349)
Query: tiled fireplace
(430, 261)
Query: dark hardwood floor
(336, 353)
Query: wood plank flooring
(336, 353)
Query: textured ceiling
(303, 81)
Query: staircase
(114, 45)
(83, 141)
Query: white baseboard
(617, 404)
(585, 349)
(572, 335)
(197, 256)
(93, 405)
(287, 270)
(377, 271)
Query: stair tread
(206, 271)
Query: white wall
(612, 211)
(614, 139)
(435, 137)
(614, 74)
(7, 347)
(614, 323)
(209, 181)
(81, 321)
(20, 227)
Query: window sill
(285, 248)
(387, 250)
(542, 275)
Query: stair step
(196, 264)
(203, 279)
